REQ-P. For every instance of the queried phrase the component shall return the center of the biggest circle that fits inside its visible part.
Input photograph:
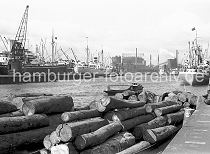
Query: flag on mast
(193, 28)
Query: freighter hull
(193, 78)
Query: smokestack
(177, 52)
(136, 57)
(150, 60)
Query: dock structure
(194, 137)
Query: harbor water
(84, 91)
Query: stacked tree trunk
(128, 124)
(26, 119)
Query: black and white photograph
(104, 77)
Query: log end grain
(65, 117)
(28, 109)
(65, 133)
(54, 138)
(47, 143)
(150, 136)
(105, 100)
(158, 112)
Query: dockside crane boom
(75, 57)
(18, 47)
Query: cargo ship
(17, 66)
(196, 69)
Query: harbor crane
(18, 47)
(75, 57)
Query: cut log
(137, 148)
(69, 131)
(128, 93)
(93, 105)
(44, 151)
(175, 118)
(128, 114)
(12, 114)
(10, 141)
(142, 97)
(131, 123)
(6, 107)
(161, 133)
(15, 124)
(79, 115)
(182, 97)
(54, 138)
(64, 149)
(151, 107)
(49, 105)
(155, 123)
(119, 95)
(133, 97)
(30, 95)
(115, 144)
(193, 100)
(47, 143)
(108, 103)
(167, 109)
(150, 96)
(98, 136)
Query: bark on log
(108, 103)
(79, 115)
(133, 97)
(12, 114)
(78, 108)
(54, 104)
(115, 144)
(168, 109)
(131, 123)
(30, 95)
(155, 123)
(161, 133)
(10, 141)
(55, 119)
(137, 148)
(21, 123)
(151, 107)
(69, 131)
(175, 118)
(47, 143)
(6, 107)
(64, 149)
(97, 137)
(128, 114)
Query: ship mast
(87, 50)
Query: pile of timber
(108, 125)
(29, 123)
(115, 125)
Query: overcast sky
(117, 26)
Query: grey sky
(152, 26)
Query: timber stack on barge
(138, 121)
